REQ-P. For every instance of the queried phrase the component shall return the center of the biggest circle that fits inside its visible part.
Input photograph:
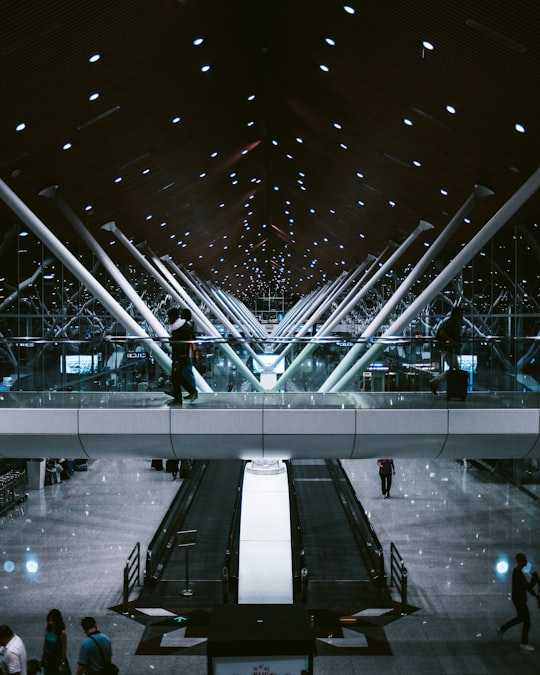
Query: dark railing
(300, 571)
(163, 541)
(398, 576)
(229, 575)
(12, 489)
(132, 574)
(361, 527)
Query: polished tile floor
(451, 523)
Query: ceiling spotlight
(519, 128)
(428, 45)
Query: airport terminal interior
(322, 185)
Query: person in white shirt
(13, 651)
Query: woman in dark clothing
(54, 660)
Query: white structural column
(209, 326)
(480, 192)
(216, 311)
(81, 273)
(265, 555)
(344, 310)
(241, 311)
(105, 260)
(494, 224)
(182, 296)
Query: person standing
(182, 335)
(14, 651)
(386, 471)
(95, 651)
(520, 587)
(449, 341)
(54, 658)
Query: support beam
(181, 296)
(464, 256)
(340, 313)
(65, 256)
(480, 192)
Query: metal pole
(350, 358)
(494, 224)
(80, 272)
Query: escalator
(341, 556)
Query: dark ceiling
(289, 159)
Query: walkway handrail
(163, 541)
(365, 535)
(132, 574)
(229, 574)
(300, 572)
(398, 573)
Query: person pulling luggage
(449, 341)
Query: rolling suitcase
(457, 382)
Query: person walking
(386, 471)
(520, 587)
(14, 651)
(54, 657)
(449, 341)
(182, 335)
(95, 651)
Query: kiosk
(247, 639)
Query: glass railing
(501, 371)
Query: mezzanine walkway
(234, 425)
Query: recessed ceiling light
(519, 128)
(359, 175)
(118, 179)
(176, 119)
(416, 162)
(205, 69)
(88, 207)
(21, 126)
(251, 97)
(198, 41)
(299, 140)
(324, 68)
(408, 122)
(66, 146)
(444, 192)
(349, 9)
(94, 58)
(145, 171)
(94, 96)
(451, 109)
